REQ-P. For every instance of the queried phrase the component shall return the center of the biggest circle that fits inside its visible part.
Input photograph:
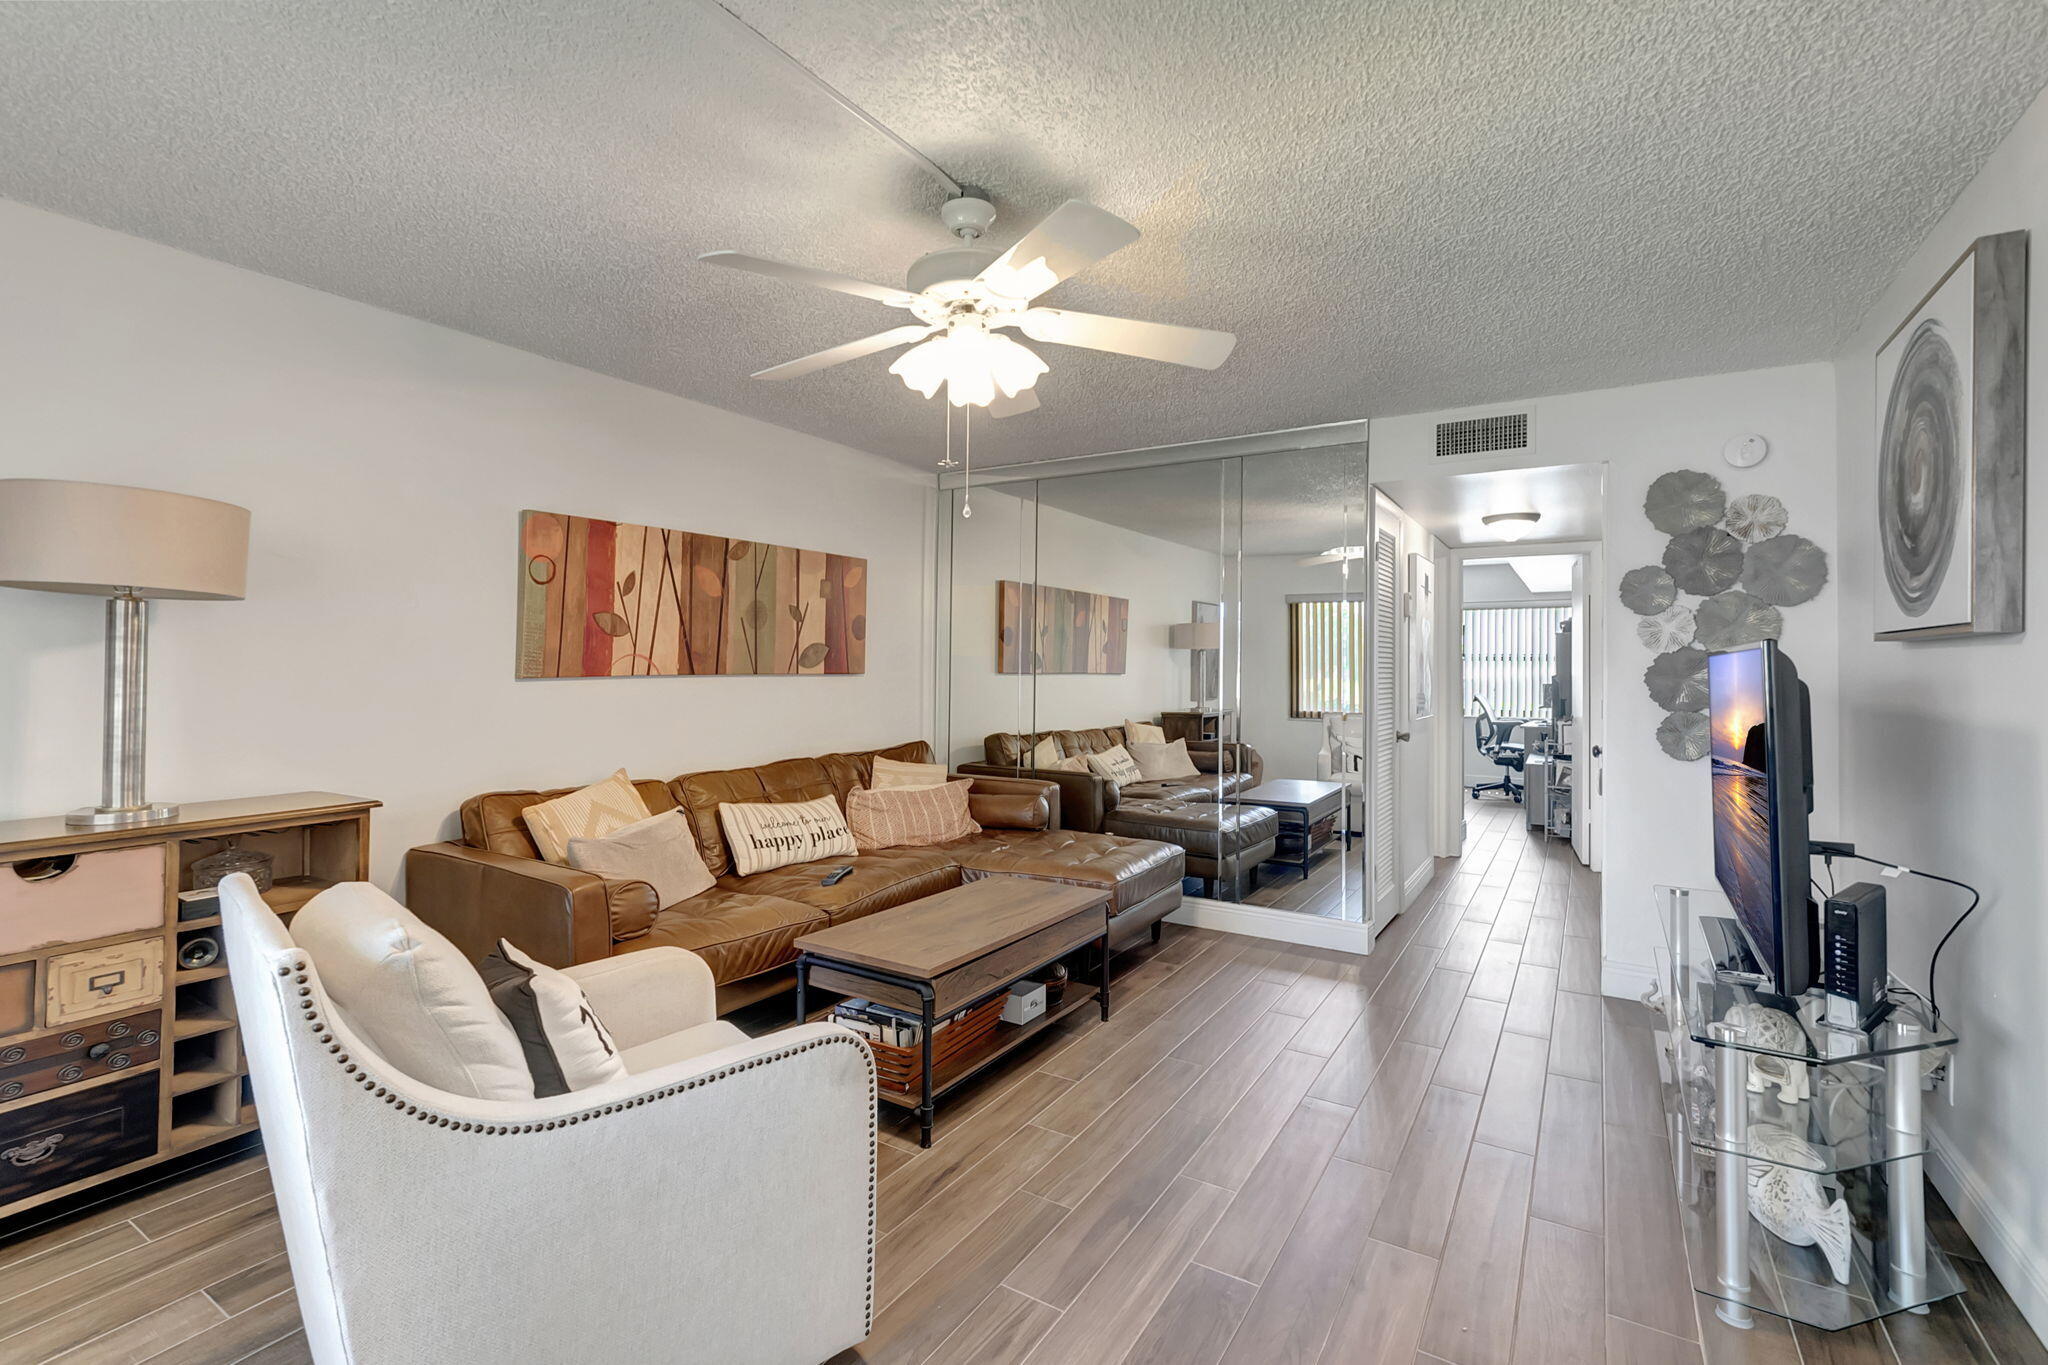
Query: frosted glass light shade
(59, 535)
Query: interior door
(1382, 713)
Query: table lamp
(127, 545)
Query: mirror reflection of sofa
(1224, 842)
(1086, 798)
(493, 882)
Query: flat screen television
(1762, 755)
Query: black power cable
(1934, 962)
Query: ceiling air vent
(1507, 431)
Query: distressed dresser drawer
(74, 897)
(96, 981)
(17, 998)
(78, 1054)
(76, 1134)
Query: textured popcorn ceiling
(1396, 206)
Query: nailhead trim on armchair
(297, 970)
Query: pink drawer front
(45, 902)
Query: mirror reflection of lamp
(1196, 636)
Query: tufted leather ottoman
(1224, 843)
(1142, 876)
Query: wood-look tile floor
(1450, 1151)
(1334, 886)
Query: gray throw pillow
(659, 850)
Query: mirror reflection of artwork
(1205, 666)
(610, 599)
(1059, 630)
(1951, 452)
(1422, 637)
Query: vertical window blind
(1326, 656)
(1510, 654)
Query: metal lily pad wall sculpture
(1735, 558)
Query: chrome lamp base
(123, 743)
(94, 817)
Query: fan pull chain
(967, 449)
(948, 462)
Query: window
(1510, 656)
(1325, 656)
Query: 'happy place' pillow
(770, 834)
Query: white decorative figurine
(1775, 1029)
(1790, 1202)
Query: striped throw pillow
(909, 817)
(591, 813)
(770, 834)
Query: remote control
(836, 874)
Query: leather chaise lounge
(492, 882)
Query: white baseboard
(1626, 980)
(2020, 1266)
(1417, 880)
(1287, 926)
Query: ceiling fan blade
(804, 274)
(851, 350)
(1195, 346)
(1025, 401)
(1066, 241)
(1310, 561)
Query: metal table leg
(803, 965)
(924, 1108)
(1102, 952)
(1731, 1189)
(1905, 1179)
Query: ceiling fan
(963, 295)
(1336, 554)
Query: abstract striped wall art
(1059, 630)
(609, 599)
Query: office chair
(1493, 740)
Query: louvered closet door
(1384, 893)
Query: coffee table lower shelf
(1008, 1038)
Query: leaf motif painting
(612, 599)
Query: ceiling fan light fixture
(1511, 526)
(973, 363)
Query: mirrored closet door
(1182, 648)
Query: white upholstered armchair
(713, 1206)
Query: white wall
(386, 461)
(1657, 811)
(1948, 769)
(1160, 578)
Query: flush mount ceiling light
(1511, 526)
(1336, 554)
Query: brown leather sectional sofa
(1086, 800)
(493, 882)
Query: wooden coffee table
(1309, 812)
(956, 949)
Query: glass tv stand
(1779, 1114)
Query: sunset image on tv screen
(1742, 798)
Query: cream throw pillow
(1076, 764)
(659, 850)
(1116, 765)
(411, 994)
(1164, 762)
(892, 775)
(1044, 754)
(591, 813)
(910, 817)
(771, 834)
(1143, 732)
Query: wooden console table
(113, 1057)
